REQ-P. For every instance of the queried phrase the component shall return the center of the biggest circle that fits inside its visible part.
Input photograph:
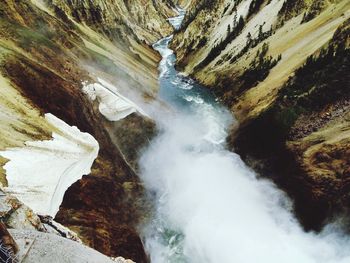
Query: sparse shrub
(258, 69)
(60, 14)
(252, 42)
(218, 48)
(254, 7)
(202, 42)
(321, 80)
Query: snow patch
(39, 173)
(112, 104)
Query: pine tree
(249, 38)
(260, 35)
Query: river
(209, 206)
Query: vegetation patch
(315, 9)
(290, 8)
(30, 38)
(254, 7)
(258, 69)
(322, 80)
(252, 42)
(217, 49)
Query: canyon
(270, 62)
(123, 125)
(48, 56)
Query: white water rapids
(210, 207)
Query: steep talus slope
(49, 50)
(281, 67)
(120, 20)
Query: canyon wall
(50, 51)
(81, 68)
(280, 66)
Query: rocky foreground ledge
(31, 238)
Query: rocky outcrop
(48, 51)
(43, 247)
(26, 237)
(280, 66)
(14, 214)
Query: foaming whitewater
(210, 207)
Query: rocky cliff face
(120, 20)
(280, 66)
(49, 51)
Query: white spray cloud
(223, 211)
(210, 207)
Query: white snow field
(113, 105)
(39, 173)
